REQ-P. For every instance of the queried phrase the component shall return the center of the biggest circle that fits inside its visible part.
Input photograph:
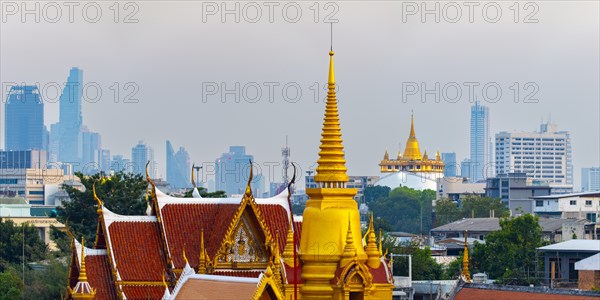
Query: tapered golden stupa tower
(331, 242)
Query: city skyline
(371, 92)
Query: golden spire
(411, 151)
(386, 156)
(372, 252)
(425, 156)
(83, 289)
(202, 260)
(349, 250)
(437, 155)
(288, 251)
(82, 272)
(465, 263)
(331, 168)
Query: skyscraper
(91, 143)
(481, 143)
(70, 120)
(178, 167)
(450, 166)
(544, 155)
(24, 115)
(232, 169)
(140, 155)
(590, 179)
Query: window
(591, 217)
(539, 203)
(573, 202)
(588, 202)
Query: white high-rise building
(544, 155)
(590, 179)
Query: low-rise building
(18, 210)
(457, 188)
(516, 190)
(560, 260)
(576, 205)
(589, 272)
(37, 186)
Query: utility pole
(285, 152)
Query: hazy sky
(178, 52)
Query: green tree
(446, 211)
(509, 254)
(424, 267)
(377, 192)
(11, 286)
(406, 209)
(18, 239)
(48, 282)
(122, 193)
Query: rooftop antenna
(285, 152)
(331, 42)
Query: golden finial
(465, 263)
(98, 201)
(202, 260)
(412, 125)
(331, 168)
(437, 155)
(193, 179)
(248, 187)
(82, 272)
(68, 229)
(371, 249)
(425, 156)
(386, 156)
(184, 256)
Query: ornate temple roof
(412, 151)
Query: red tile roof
(100, 277)
(137, 250)
(144, 292)
(183, 222)
(238, 273)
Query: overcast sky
(178, 52)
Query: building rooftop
(12, 200)
(591, 263)
(574, 245)
(584, 194)
(493, 224)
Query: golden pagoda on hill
(232, 248)
(411, 168)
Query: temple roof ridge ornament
(83, 289)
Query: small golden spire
(373, 254)
(465, 263)
(386, 156)
(98, 201)
(83, 289)
(82, 272)
(349, 250)
(437, 155)
(248, 187)
(288, 251)
(331, 166)
(425, 156)
(412, 126)
(202, 260)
